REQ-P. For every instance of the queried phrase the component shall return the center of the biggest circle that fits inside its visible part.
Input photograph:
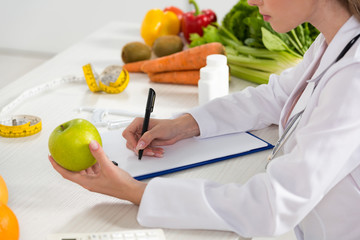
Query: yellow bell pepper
(158, 23)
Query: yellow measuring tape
(20, 126)
(112, 80)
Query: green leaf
(272, 42)
(196, 40)
(211, 34)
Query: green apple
(69, 144)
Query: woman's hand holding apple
(104, 177)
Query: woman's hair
(353, 6)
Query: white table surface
(46, 203)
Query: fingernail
(140, 145)
(94, 145)
(159, 155)
(150, 153)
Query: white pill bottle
(214, 78)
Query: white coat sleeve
(327, 149)
(250, 109)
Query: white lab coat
(313, 187)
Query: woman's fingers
(132, 133)
(153, 152)
(149, 151)
(98, 152)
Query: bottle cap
(216, 60)
(207, 74)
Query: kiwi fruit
(166, 45)
(135, 51)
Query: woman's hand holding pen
(161, 132)
(104, 177)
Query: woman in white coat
(314, 186)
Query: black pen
(149, 108)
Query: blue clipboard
(185, 154)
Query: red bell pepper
(194, 21)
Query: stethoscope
(295, 119)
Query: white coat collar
(312, 57)
(322, 57)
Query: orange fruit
(4, 195)
(9, 225)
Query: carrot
(190, 59)
(134, 66)
(190, 77)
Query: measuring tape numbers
(112, 80)
(20, 126)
